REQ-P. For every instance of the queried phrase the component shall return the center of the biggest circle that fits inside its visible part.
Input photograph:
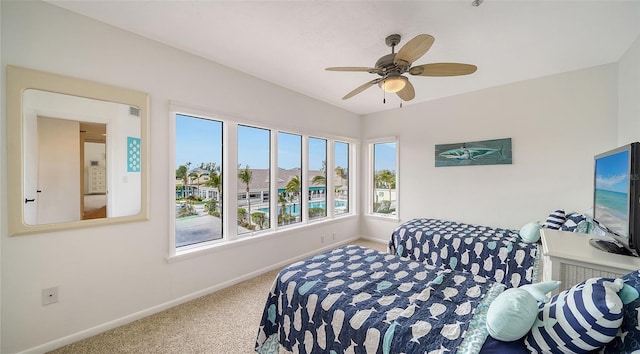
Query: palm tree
(215, 181)
(385, 178)
(283, 207)
(181, 173)
(293, 188)
(246, 176)
(321, 179)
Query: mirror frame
(20, 79)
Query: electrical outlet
(322, 238)
(49, 296)
(334, 236)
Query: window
(254, 174)
(341, 178)
(281, 180)
(384, 201)
(317, 177)
(289, 178)
(198, 184)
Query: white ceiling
(290, 43)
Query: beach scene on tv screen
(611, 192)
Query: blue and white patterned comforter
(359, 300)
(494, 253)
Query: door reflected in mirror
(94, 177)
(67, 175)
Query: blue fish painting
(487, 152)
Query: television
(616, 199)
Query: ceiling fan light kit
(393, 84)
(390, 67)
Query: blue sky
(612, 172)
(384, 155)
(199, 141)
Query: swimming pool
(296, 207)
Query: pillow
(579, 319)
(572, 221)
(530, 233)
(511, 314)
(540, 290)
(628, 339)
(555, 220)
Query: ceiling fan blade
(353, 68)
(413, 49)
(443, 69)
(361, 88)
(407, 93)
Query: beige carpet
(225, 322)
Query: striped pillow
(555, 220)
(578, 320)
(572, 222)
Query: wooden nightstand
(568, 257)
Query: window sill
(222, 245)
(391, 218)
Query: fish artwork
(336, 323)
(330, 300)
(311, 306)
(360, 317)
(449, 293)
(297, 319)
(308, 341)
(470, 153)
(419, 330)
(385, 300)
(333, 284)
(322, 336)
(372, 340)
(451, 331)
(359, 298)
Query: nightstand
(568, 257)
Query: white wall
(557, 123)
(112, 274)
(108, 275)
(629, 95)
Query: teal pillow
(511, 315)
(530, 232)
(540, 290)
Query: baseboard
(78, 336)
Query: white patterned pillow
(578, 320)
(555, 220)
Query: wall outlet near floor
(322, 238)
(334, 236)
(49, 296)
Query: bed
(359, 300)
(355, 299)
(494, 253)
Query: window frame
(229, 181)
(370, 185)
(197, 114)
(307, 181)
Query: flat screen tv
(616, 198)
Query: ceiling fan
(391, 67)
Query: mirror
(77, 152)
